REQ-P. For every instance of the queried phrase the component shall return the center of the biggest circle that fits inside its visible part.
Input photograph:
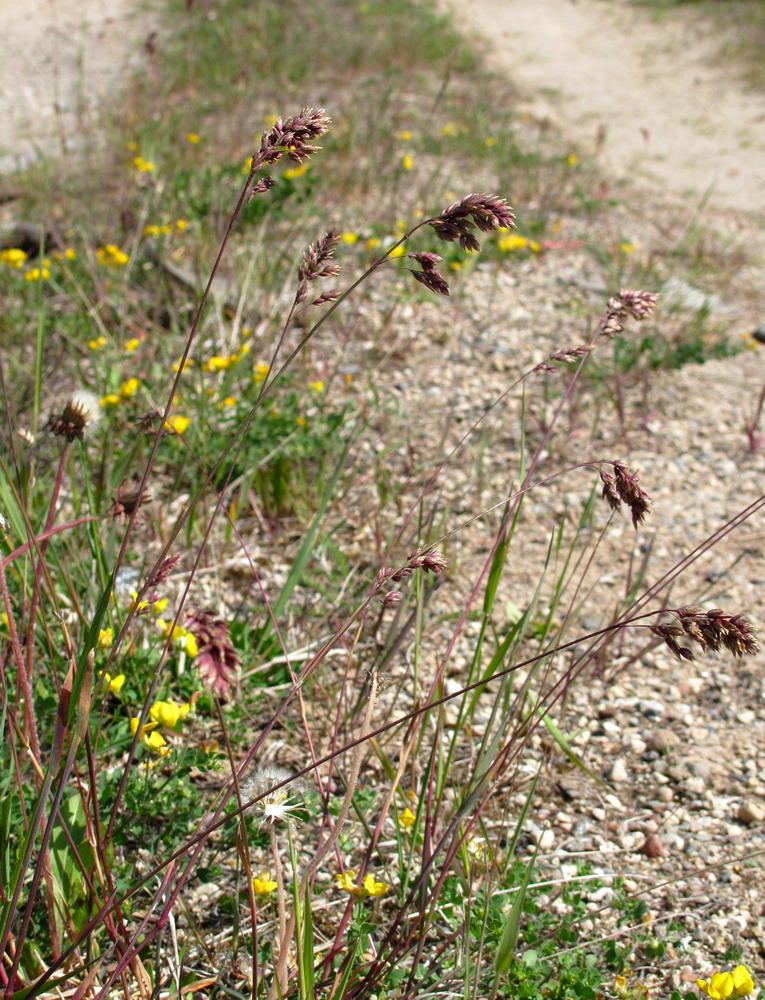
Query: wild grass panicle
(217, 661)
(713, 630)
(623, 487)
(484, 212)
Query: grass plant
(238, 662)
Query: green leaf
(512, 927)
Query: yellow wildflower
(451, 128)
(406, 135)
(406, 818)
(141, 165)
(489, 140)
(262, 883)
(627, 247)
(151, 230)
(728, 985)
(110, 399)
(572, 159)
(155, 741)
(345, 880)
(168, 713)
(261, 370)
(455, 265)
(407, 162)
(271, 120)
(111, 256)
(348, 378)
(192, 137)
(177, 423)
(129, 387)
(301, 421)
(229, 401)
(130, 345)
(317, 386)
(349, 237)
(13, 256)
(181, 224)
(398, 251)
(114, 683)
(159, 605)
(190, 645)
(292, 172)
(373, 888)
(369, 888)
(373, 242)
(97, 343)
(132, 145)
(513, 241)
(105, 638)
(216, 363)
(37, 274)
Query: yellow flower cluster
(292, 172)
(182, 638)
(13, 256)
(177, 423)
(153, 740)
(97, 343)
(110, 255)
(262, 883)
(370, 887)
(125, 391)
(154, 230)
(114, 683)
(41, 273)
(169, 713)
(728, 985)
(142, 166)
(514, 241)
(220, 362)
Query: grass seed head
(80, 414)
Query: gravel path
(650, 94)
(59, 60)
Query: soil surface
(650, 94)
(60, 59)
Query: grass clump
(229, 663)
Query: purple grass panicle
(163, 571)
(623, 487)
(217, 661)
(314, 266)
(476, 211)
(571, 354)
(291, 137)
(638, 304)
(712, 630)
(429, 275)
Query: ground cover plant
(217, 683)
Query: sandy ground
(59, 59)
(670, 116)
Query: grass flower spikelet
(217, 661)
(484, 212)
